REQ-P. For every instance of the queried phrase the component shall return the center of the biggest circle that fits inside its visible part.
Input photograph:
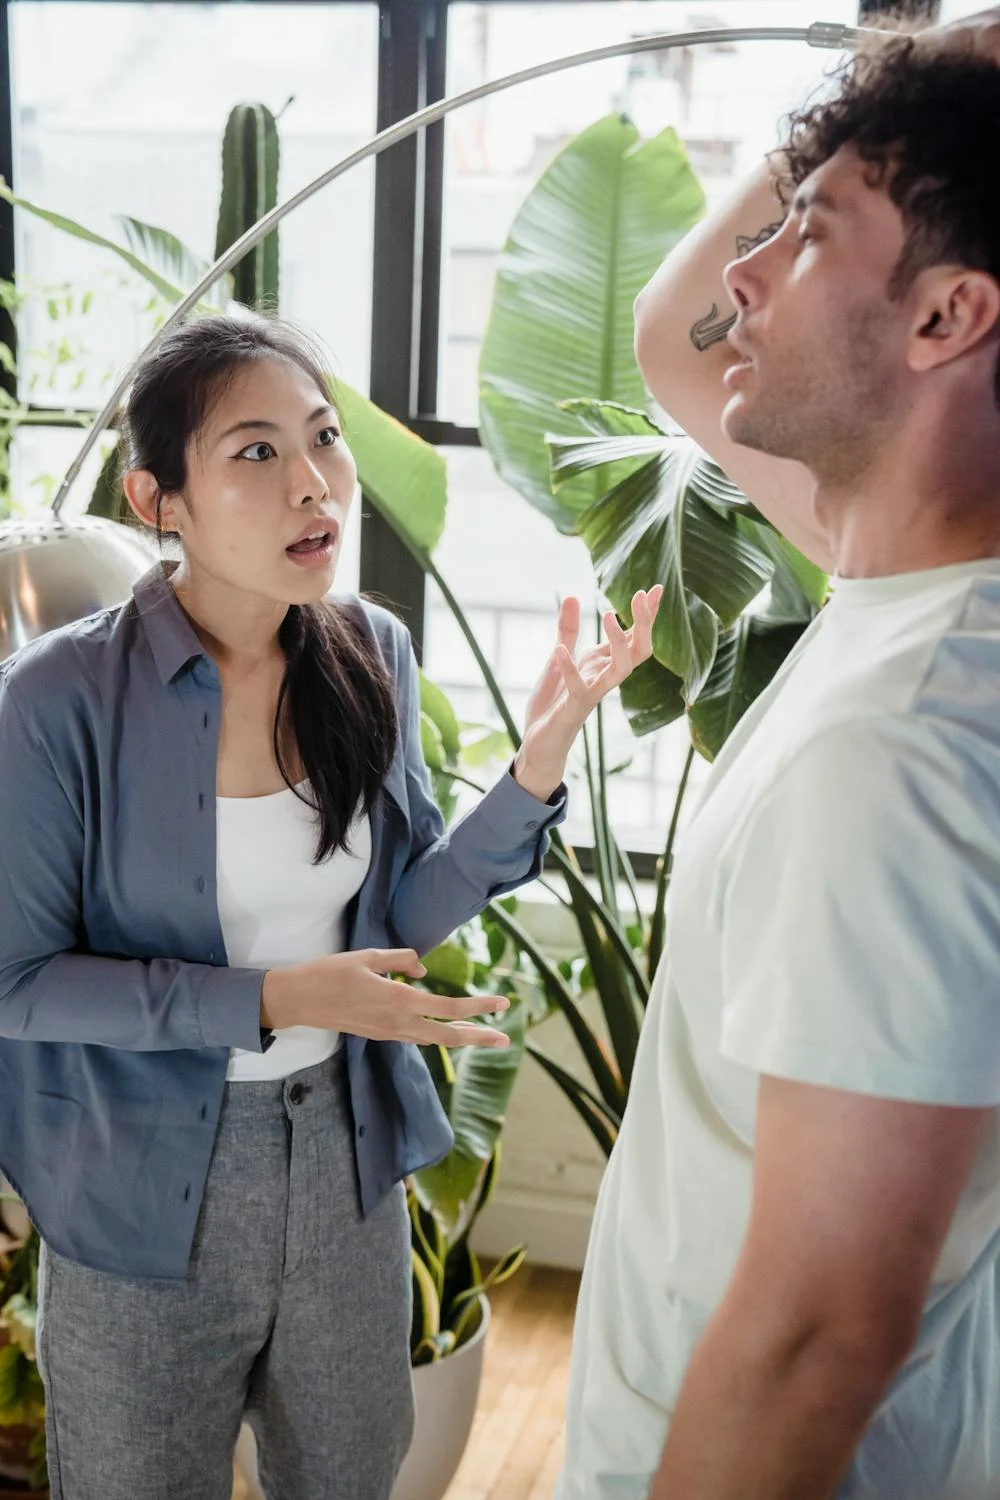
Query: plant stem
(598, 815)
(610, 1087)
(581, 894)
(658, 933)
(459, 616)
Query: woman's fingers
(602, 667)
(461, 1034)
(464, 1007)
(393, 961)
(576, 687)
(620, 643)
(568, 630)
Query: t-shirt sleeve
(861, 921)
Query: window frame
(407, 260)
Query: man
(791, 1291)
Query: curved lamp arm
(819, 34)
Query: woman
(218, 841)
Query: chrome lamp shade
(53, 571)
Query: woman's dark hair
(337, 698)
(925, 117)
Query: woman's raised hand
(570, 688)
(351, 992)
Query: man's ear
(142, 492)
(955, 312)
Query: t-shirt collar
(850, 593)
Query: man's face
(823, 346)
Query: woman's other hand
(569, 689)
(352, 992)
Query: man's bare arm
(681, 321)
(853, 1197)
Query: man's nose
(738, 283)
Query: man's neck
(926, 504)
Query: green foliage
(250, 157)
(675, 517)
(22, 1397)
(588, 236)
(559, 379)
(474, 1085)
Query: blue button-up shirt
(117, 1006)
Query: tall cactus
(249, 190)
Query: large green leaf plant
(445, 1200)
(567, 422)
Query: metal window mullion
(387, 569)
(432, 179)
(8, 331)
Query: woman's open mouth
(315, 549)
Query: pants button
(298, 1092)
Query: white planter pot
(446, 1394)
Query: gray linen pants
(295, 1314)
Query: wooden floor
(516, 1445)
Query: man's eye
(257, 452)
(327, 437)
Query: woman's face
(269, 486)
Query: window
(119, 109)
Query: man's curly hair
(926, 120)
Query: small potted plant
(451, 1310)
(451, 1317)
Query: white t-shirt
(277, 908)
(834, 918)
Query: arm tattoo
(711, 329)
(746, 242)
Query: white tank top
(277, 908)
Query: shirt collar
(170, 634)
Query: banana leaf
(163, 252)
(667, 521)
(586, 239)
(163, 284)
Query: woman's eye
(257, 452)
(327, 437)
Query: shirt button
(199, 884)
(361, 1130)
(532, 825)
(297, 1092)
